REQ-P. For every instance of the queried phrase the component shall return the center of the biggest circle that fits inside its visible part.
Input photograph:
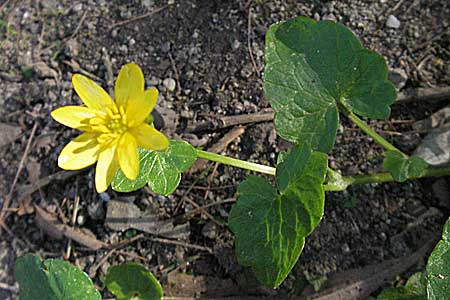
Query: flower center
(111, 123)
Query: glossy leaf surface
(53, 279)
(312, 68)
(403, 168)
(131, 281)
(160, 169)
(271, 225)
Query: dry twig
(134, 19)
(7, 201)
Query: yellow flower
(113, 130)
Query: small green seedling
(55, 279)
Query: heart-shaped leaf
(403, 168)
(312, 68)
(271, 226)
(438, 268)
(160, 169)
(131, 281)
(52, 279)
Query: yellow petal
(129, 85)
(128, 156)
(149, 138)
(93, 95)
(74, 116)
(139, 108)
(107, 166)
(80, 152)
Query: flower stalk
(334, 182)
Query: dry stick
(109, 71)
(11, 288)
(134, 19)
(361, 288)
(218, 147)
(74, 65)
(427, 42)
(183, 244)
(74, 33)
(31, 188)
(425, 94)
(132, 255)
(94, 268)
(249, 42)
(125, 242)
(202, 208)
(73, 222)
(194, 204)
(219, 122)
(175, 70)
(6, 203)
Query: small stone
(170, 84)
(43, 70)
(81, 219)
(105, 197)
(131, 42)
(398, 77)
(345, 248)
(210, 230)
(236, 44)
(96, 210)
(393, 22)
(78, 7)
(154, 81)
(148, 3)
(316, 17)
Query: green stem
(340, 184)
(235, 162)
(372, 133)
(334, 182)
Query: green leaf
(438, 268)
(131, 281)
(53, 279)
(402, 168)
(271, 226)
(414, 289)
(160, 169)
(311, 67)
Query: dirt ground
(206, 57)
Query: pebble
(392, 22)
(170, 84)
(81, 219)
(96, 210)
(398, 77)
(236, 44)
(210, 230)
(78, 7)
(105, 196)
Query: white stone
(170, 84)
(392, 22)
